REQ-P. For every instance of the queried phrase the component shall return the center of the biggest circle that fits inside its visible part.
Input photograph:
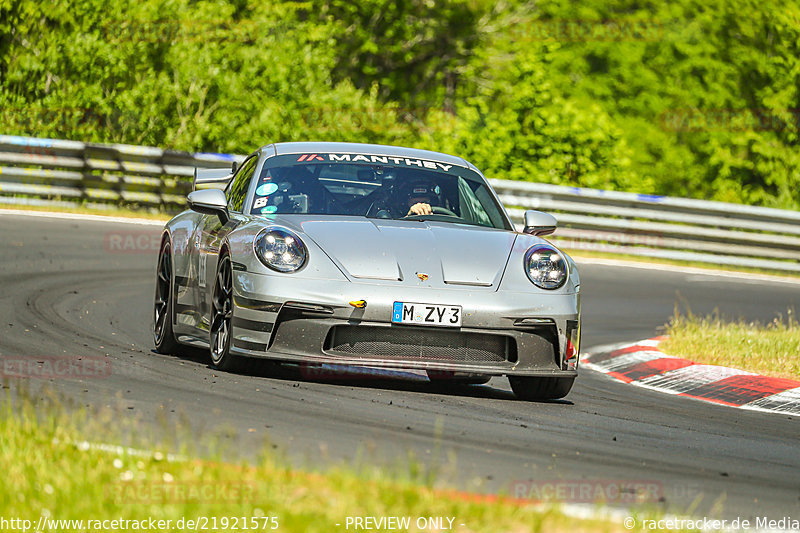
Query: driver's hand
(420, 209)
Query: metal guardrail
(58, 172)
(662, 227)
(99, 174)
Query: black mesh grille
(418, 343)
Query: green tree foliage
(215, 76)
(692, 97)
(705, 91)
(413, 50)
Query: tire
(163, 335)
(533, 389)
(221, 331)
(444, 377)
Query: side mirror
(210, 202)
(234, 166)
(211, 178)
(538, 223)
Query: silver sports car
(368, 255)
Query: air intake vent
(420, 344)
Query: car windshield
(375, 186)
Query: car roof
(366, 149)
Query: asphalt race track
(68, 289)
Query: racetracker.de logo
(132, 241)
(572, 31)
(732, 120)
(171, 30)
(56, 367)
(589, 490)
(174, 491)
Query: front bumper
(302, 320)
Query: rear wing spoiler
(211, 178)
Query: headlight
(545, 267)
(280, 250)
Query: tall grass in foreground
(49, 470)
(772, 349)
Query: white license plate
(426, 314)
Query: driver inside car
(412, 196)
(420, 197)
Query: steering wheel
(436, 210)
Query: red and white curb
(644, 364)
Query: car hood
(406, 252)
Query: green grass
(48, 472)
(771, 349)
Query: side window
(471, 204)
(241, 183)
